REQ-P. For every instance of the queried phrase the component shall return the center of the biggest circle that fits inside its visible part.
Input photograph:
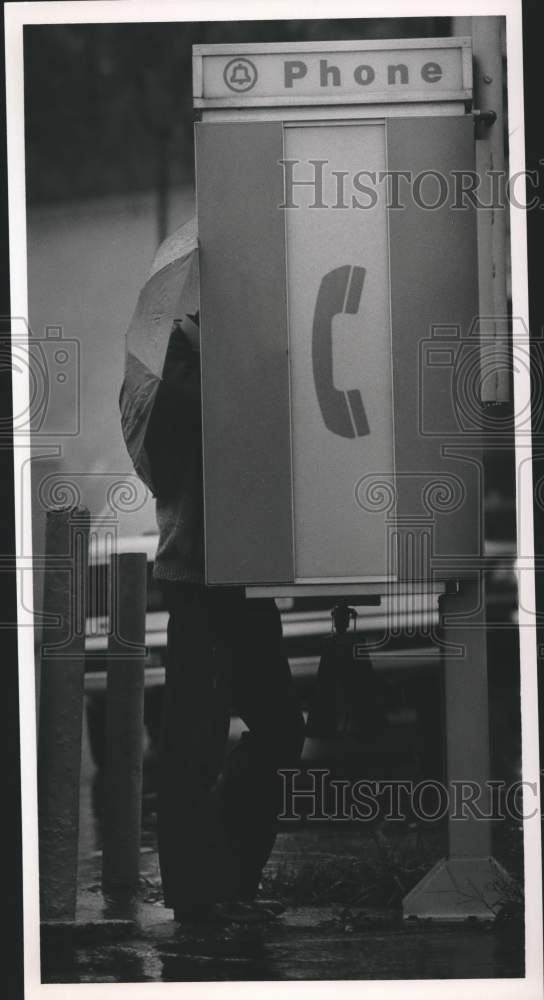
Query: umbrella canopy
(171, 291)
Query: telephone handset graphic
(340, 292)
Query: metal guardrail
(302, 667)
(418, 611)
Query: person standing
(216, 811)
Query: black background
(11, 976)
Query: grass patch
(389, 864)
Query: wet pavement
(307, 943)
(136, 940)
(341, 885)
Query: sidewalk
(332, 928)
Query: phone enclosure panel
(342, 413)
(334, 447)
(436, 359)
(245, 380)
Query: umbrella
(171, 291)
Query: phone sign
(340, 350)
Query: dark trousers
(217, 816)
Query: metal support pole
(467, 712)
(491, 169)
(124, 722)
(61, 709)
(463, 884)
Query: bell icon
(240, 75)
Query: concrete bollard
(124, 722)
(61, 708)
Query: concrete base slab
(457, 889)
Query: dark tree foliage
(109, 106)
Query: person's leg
(264, 697)
(194, 856)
